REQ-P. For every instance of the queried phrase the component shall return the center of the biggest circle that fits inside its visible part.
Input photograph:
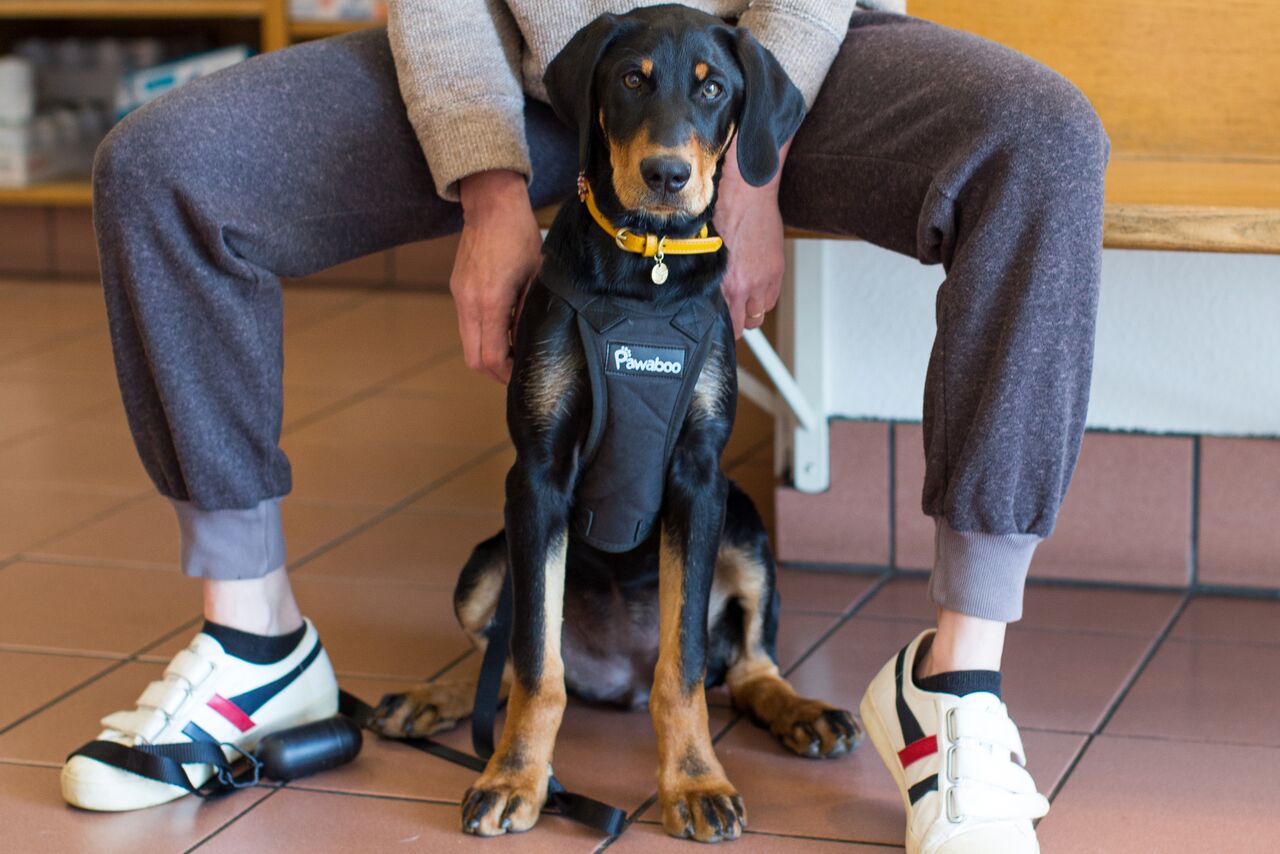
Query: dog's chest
(610, 644)
(643, 367)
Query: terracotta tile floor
(1149, 719)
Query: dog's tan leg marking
(510, 793)
(696, 797)
(805, 726)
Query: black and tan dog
(658, 95)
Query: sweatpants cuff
(982, 575)
(230, 545)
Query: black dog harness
(643, 365)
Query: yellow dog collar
(648, 245)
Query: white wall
(1187, 342)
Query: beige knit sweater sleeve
(465, 65)
(458, 63)
(804, 35)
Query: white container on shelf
(17, 90)
(28, 152)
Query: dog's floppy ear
(570, 78)
(771, 110)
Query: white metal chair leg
(801, 398)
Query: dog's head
(658, 94)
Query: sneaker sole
(879, 735)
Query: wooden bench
(1189, 94)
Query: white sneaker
(958, 762)
(205, 695)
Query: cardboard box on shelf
(146, 84)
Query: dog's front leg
(697, 798)
(510, 793)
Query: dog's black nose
(664, 173)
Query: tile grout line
(253, 806)
(372, 390)
(31, 763)
(400, 504)
(849, 613)
(100, 516)
(79, 686)
(132, 658)
(1157, 644)
(95, 655)
(1193, 558)
(356, 299)
(893, 497)
(69, 418)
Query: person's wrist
(733, 184)
(493, 191)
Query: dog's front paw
(814, 729)
(502, 804)
(424, 710)
(707, 812)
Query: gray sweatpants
(924, 140)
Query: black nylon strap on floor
(560, 801)
(163, 762)
(362, 714)
(489, 685)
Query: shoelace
(985, 767)
(164, 700)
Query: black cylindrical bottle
(309, 749)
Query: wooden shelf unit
(51, 193)
(275, 28)
(304, 30)
(116, 9)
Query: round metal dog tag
(658, 273)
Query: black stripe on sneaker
(924, 787)
(911, 731)
(195, 733)
(250, 701)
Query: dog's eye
(712, 90)
(631, 80)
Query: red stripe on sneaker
(917, 750)
(231, 712)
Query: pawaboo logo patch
(644, 360)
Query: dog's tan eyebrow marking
(701, 70)
(646, 67)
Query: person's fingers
(495, 343)
(469, 332)
(735, 297)
(738, 314)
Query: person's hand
(498, 253)
(749, 221)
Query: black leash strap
(489, 685)
(560, 801)
(362, 714)
(163, 762)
